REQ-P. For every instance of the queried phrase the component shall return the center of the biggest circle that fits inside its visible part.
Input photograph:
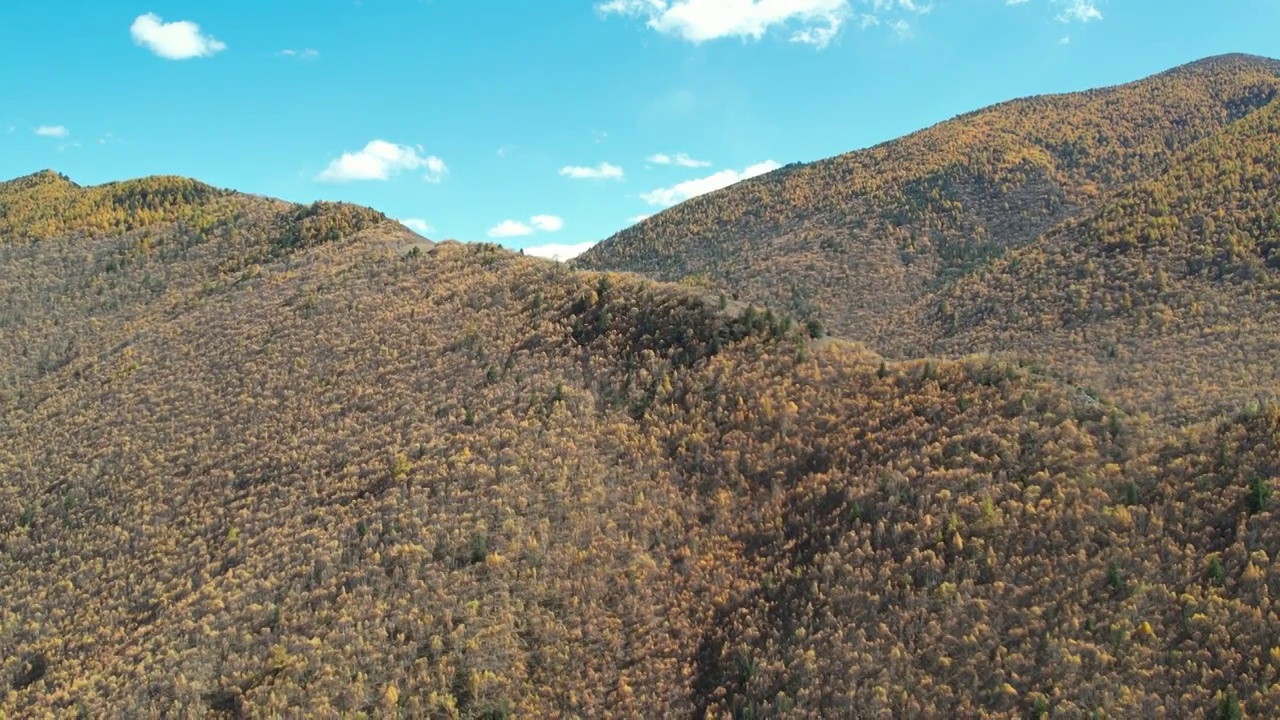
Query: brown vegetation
(284, 469)
(1163, 299)
(936, 244)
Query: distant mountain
(264, 459)
(861, 240)
(1163, 297)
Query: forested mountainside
(80, 264)
(862, 241)
(1165, 298)
(349, 472)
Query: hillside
(861, 240)
(326, 472)
(80, 264)
(1165, 297)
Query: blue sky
(544, 123)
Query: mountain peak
(1228, 60)
(38, 178)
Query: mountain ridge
(861, 239)
(928, 135)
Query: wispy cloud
(417, 225)
(546, 223)
(811, 22)
(516, 228)
(1078, 10)
(603, 171)
(509, 228)
(700, 186)
(559, 252)
(815, 21)
(57, 132)
(307, 54)
(178, 40)
(380, 160)
(637, 218)
(680, 159)
(1071, 10)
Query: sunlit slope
(854, 239)
(1163, 298)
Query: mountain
(1164, 297)
(864, 240)
(259, 458)
(83, 263)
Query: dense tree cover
(47, 204)
(364, 476)
(1163, 298)
(862, 240)
(82, 262)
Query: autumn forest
(981, 422)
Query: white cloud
(812, 22)
(1066, 40)
(680, 159)
(685, 161)
(819, 37)
(379, 160)
(637, 218)
(700, 186)
(603, 171)
(509, 228)
(816, 21)
(559, 252)
(179, 40)
(307, 54)
(1014, 2)
(417, 225)
(546, 223)
(52, 131)
(537, 223)
(1078, 10)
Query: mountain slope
(1164, 297)
(456, 481)
(78, 258)
(856, 238)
